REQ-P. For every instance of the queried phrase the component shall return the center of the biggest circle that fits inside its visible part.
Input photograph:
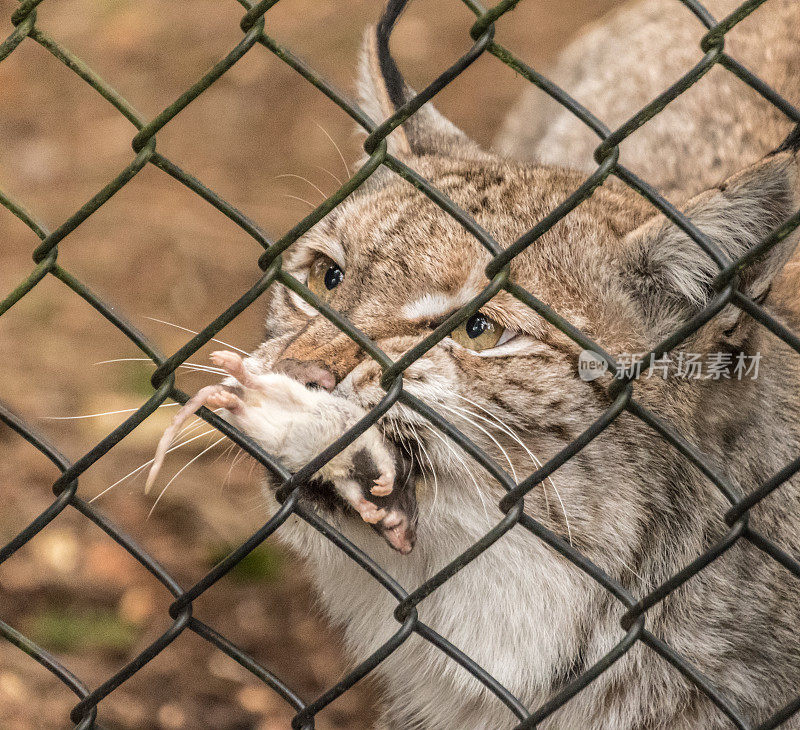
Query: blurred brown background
(158, 251)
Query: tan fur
(627, 59)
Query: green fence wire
(622, 391)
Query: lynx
(397, 266)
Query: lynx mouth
(399, 525)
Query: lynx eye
(324, 276)
(478, 333)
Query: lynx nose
(312, 374)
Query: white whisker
(563, 511)
(237, 457)
(191, 427)
(186, 329)
(302, 200)
(535, 459)
(461, 460)
(147, 463)
(326, 170)
(181, 470)
(98, 415)
(425, 453)
(124, 359)
(227, 450)
(304, 179)
(336, 146)
(460, 412)
(449, 453)
(188, 365)
(510, 431)
(627, 567)
(421, 465)
(436, 433)
(203, 369)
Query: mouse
(294, 423)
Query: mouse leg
(399, 525)
(215, 396)
(382, 486)
(233, 364)
(351, 491)
(376, 459)
(398, 528)
(385, 475)
(225, 399)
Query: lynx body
(396, 266)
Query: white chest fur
(516, 610)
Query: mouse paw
(225, 399)
(383, 485)
(369, 512)
(233, 364)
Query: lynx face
(396, 266)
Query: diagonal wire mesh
(633, 628)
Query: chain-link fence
(622, 392)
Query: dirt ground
(158, 251)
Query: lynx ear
(670, 274)
(382, 91)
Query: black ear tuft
(383, 90)
(392, 78)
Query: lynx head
(396, 266)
